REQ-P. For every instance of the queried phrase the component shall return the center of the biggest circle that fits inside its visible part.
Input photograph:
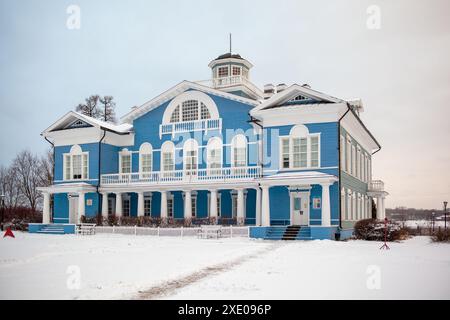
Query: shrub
(374, 230)
(93, 219)
(441, 235)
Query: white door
(73, 209)
(300, 209)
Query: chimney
(269, 90)
(281, 87)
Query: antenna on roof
(230, 43)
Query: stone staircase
(52, 229)
(289, 233)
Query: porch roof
(298, 178)
(68, 187)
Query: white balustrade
(184, 176)
(189, 126)
(376, 185)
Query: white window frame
(191, 145)
(342, 154)
(291, 151)
(170, 213)
(123, 153)
(76, 150)
(167, 147)
(145, 149)
(214, 143)
(348, 149)
(223, 67)
(148, 198)
(239, 142)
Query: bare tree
(90, 107)
(26, 167)
(10, 188)
(107, 112)
(46, 164)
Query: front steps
(288, 233)
(52, 229)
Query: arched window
(76, 164)
(145, 158)
(239, 151)
(190, 152)
(190, 106)
(300, 149)
(214, 155)
(168, 157)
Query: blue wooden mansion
(221, 150)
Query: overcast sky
(134, 50)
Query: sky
(133, 50)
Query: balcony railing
(189, 126)
(218, 83)
(376, 185)
(183, 176)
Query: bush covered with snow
(441, 235)
(374, 230)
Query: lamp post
(445, 215)
(432, 220)
(2, 210)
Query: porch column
(265, 207)
(213, 204)
(326, 212)
(105, 205)
(163, 204)
(383, 209)
(258, 207)
(46, 209)
(118, 204)
(81, 206)
(140, 209)
(379, 210)
(187, 205)
(240, 207)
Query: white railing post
(231, 231)
(158, 231)
(181, 231)
(135, 230)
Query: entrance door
(300, 209)
(73, 209)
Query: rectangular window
(67, 167)
(314, 151)
(353, 170)
(126, 207)
(222, 72)
(191, 162)
(342, 145)
(170, 207)
(146, 162)
(358, 163)
(125, 163)
(349, 156)
(194, 206)
(239, 157)
(76, 167)
(316, 203)
(147, 207)
(168, 162)
(234, 205)
(236, 71)
(285, 157)
(300, 152)
(214, 161)
(110, 206)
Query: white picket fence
(227, 231)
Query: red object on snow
(9, 233)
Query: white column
(46, 209)
(163, 204)
(187, 204)
(265, 207)
(118, 204)
(379, 210)
(213, 204)
(383, 209)
(81, 206)
(140, 209)
(258, 207)
(105, 205)
(240, 207)
(326, 212)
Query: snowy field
(107, 266)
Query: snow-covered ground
(126, 266)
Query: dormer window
(76, 164)
(236, 71)
(222, 72)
